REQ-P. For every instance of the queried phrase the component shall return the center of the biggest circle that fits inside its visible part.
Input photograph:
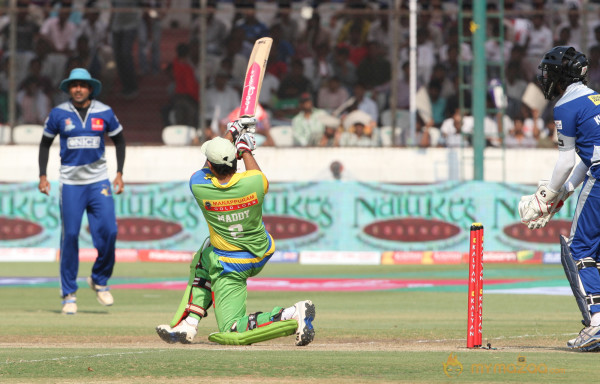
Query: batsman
(577, 119)
(238, 247)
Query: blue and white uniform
(577, 119)
(84, 186)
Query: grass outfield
(403, 335)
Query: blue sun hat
(83, 75)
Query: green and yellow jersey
(233, 211)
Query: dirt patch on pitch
(522, 344)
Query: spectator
(33, 104)
(221, 99)
(150, 33)
(332, 95)
(551, 138)
(186, 93)
(216, 30)
(456, 130)
(318, 67)
(594, 67)
(357, 49)
(314, 35)
(125, 26)
(573, 25)
(307, 126)
(343, 68)
(246, 20)
(276, 66)
(363, 102)
(374, 70)
(268, 92)
(284, 49)
(331, 132)
(60, 32)
(34, 69)
(438, 74)
(515, 87)
(539, 41)
(516, 137)
(292, 86)
(95, 29)
(235, 53)
(380, 30)
(358, 131)
(438, 103)
(288, 24)
(355, 28)
(423, 134)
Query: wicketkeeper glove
(241, 125)
(536, 210)
(245, 143)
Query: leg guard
(267, 332)
(197, 297)
(572, 273)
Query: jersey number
(236, 231)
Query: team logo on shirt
(595, 99)
(231, 204)
(558, 124)
(69, 124)
(97, 124)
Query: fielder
(577, 119)
(238, 248)
(81, 124)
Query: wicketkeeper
(577, 119)
(239, 246)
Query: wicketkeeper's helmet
(561, 65)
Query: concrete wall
(145, 164)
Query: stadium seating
(4, 134)
(282, 135)
(28, 134)
(178, 135)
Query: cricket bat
(255, 73)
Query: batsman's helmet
(561, 66)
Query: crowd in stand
(329, 73)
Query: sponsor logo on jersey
(231, 204)
(97, 124)
(595, 99)
(69, 124)
(80, 142)
(558, 124)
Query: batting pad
(268, 332)
(181, 312)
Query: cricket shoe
(587, 341)
(304, 315)
(102, 292)
(182, 333)
(69, 304)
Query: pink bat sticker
(248, 106)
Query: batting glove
(245, 143)
(241, 125)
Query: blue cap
(82, 75)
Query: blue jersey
(82, 156)
(577, 119)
